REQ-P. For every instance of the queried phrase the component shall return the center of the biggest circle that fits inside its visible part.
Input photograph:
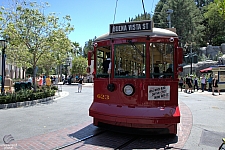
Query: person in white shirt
(109, 69)
(203, 82)
(29, 79)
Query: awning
(206, 70)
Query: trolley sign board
(131, 27)
(158, 93)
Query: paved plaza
(48, 125)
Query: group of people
(189, 84)
(42, 80)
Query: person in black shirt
(189, 82)
(106, 63)
(215, 85)
(156, 71)
(80, 81)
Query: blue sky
(92, 17)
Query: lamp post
(191, 58)
(3, 44)
(66, 67)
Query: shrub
(26, 95)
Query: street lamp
(3, 43)
(191, 58)
(67, 63)
(169, 12)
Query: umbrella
(206, 70)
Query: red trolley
(136, 71)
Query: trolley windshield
(130, 60)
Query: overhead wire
(114, 18)
(115, 12)
(144, 8)
(152, 5)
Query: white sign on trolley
(158, 93)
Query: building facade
(12, 71)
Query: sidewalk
(208, 126)
(84, 84)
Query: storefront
(220, 70)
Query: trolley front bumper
(139, 117)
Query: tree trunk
(35, 68)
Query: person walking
(181, 83)
(88, 78)
(215, 84)
(48, 82)
(189, 83)
(80, 81)
(203, 82)
(196, 83)
(210, 83)
(40, 82)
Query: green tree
(76, 49)
(221, 7)
(214, 31)
(159, 16)
(88, 47)
(41, 34)
(79, 66)
(140, 17)
(186, 18)
(202, 3)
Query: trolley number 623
(103, 96)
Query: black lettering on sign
(157, 97)
(131, 26)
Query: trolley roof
(156, 32)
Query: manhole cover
(211, 138)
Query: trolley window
(129, 60)
(103, 60)
(161, 60)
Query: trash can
(23, 85)
(17, 86)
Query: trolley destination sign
(131, 27)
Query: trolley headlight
(128, 89)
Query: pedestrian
(203, 82)
(88, 78)
(215, 84)
(29, 80)
(40, 82)
(181, 83)
(80, 81)
(189, 82)
(210, 83)
(51, 79)
(44, 79)
(48, 82)
(54, 80)
(196, 83)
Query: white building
(11, 70)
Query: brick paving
(58, 138)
